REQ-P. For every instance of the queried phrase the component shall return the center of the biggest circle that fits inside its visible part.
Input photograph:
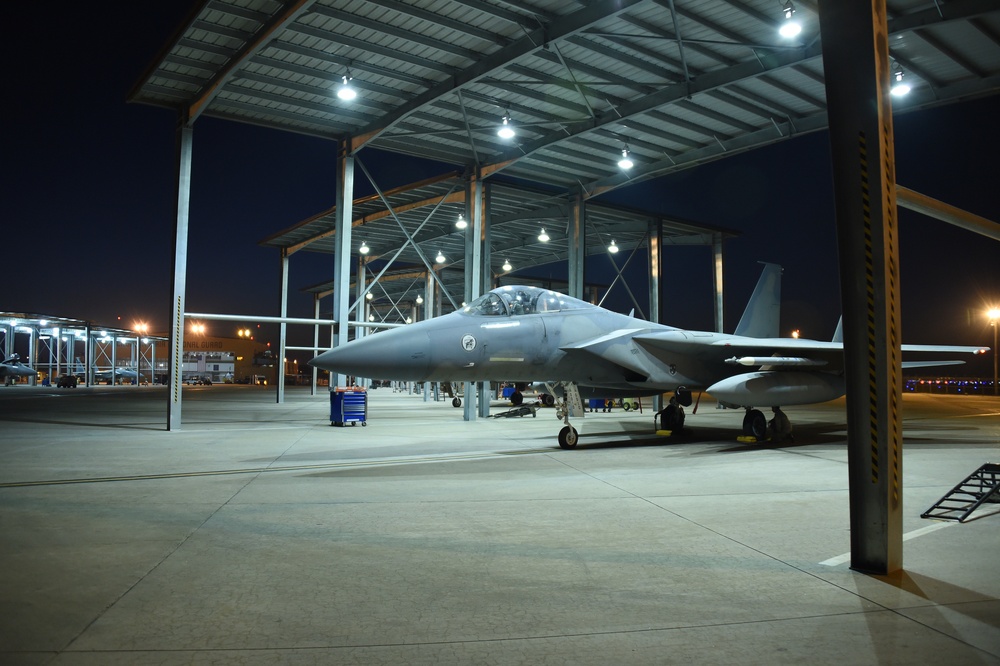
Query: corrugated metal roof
(578, 79)
(680, 82)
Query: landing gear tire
(755, 424)
(568, 437)
(516, 398)
(456, 402)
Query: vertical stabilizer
(761, 318)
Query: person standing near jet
(779, 429)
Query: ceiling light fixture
(420, 299)
(613, 247)
(345, 91)
(506, 131)
(506, 266)
(440, 258)
(625, 162)
(364, 249)
(460, 223)
(543, 237)
(899, 86)
(790, 28)
(369, 296)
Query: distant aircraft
(119, 374)
(12, 368)
(528, 334)
(106, 375)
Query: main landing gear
(671, 417)
(757, 429)
(754, 425)
(570, 405)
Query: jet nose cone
(395, 354)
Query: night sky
(89, 200)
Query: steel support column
(576, 250)
(428, 312)
(361, 310)
(717, 280)
(342, 252)
(185, 140)
(655, 293)
(32, 353)
(857, 69)
(486, 261)
(315, 370)
(474, 271)
(282, 329)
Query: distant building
(221, 360)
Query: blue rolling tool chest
(348, 405)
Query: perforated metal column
(857, 69)
(184, 148)
(342, 254)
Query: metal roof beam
(793, 91)
(733, 100)
(357, 66)
(534, 40)
(527, 23)
(364, 46)
(399, 33)
(951, 53)
(666, 118)
(445, 21)
(631, 60)
(278, 22)
(708, 81)
(328, 128)
(707, 153)
(957, 10)
(772, 107)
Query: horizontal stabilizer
(945, 349)
(929, 364)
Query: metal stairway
(981, 487)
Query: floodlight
(506, 131)
(345, 91)
(625, 162)
(790, 28)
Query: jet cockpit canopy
(514, 301)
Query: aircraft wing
(784, 352)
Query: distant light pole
(994, 315)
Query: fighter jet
(528, 334)
(118, 373)
(112, 376)
(12, 368)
